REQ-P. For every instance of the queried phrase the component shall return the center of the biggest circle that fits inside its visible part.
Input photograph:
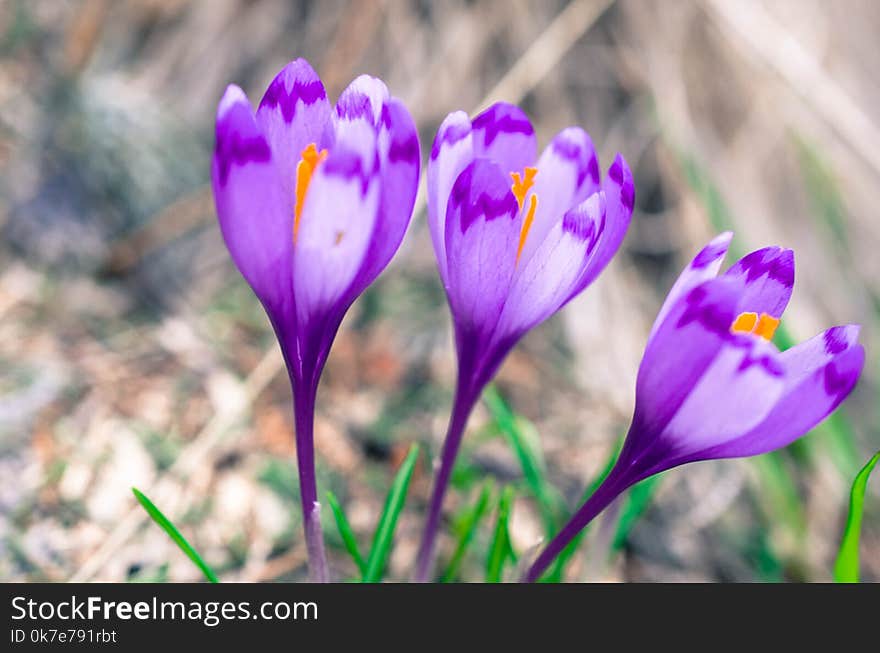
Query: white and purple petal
(544, 282)
(399, 161)
(482, 232)
(361, 102)
(504, 134)
(735, 393)
(820, 374)
(294, 113)
(685, 345)
(768, 278)
(705, 266)
(451, 153)
(568, 173)
(255, 219)
(336, 227)
(619, 189)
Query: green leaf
(550, 502)
(384, 536)
(846, 567)
(166, 525)
(467, 528)
(500, 549)
(346, 533)
(636, 503)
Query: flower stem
(461, 410)
(304, 414)
(610, 489)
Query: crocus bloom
(711, 383)
(313, 202)
(516, 237)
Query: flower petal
(735, 393)
(293, 113)
(504, 134)
(256, 222)
(684, 346)
(399, 160)
(337, 225)
(543, 283)
(768, 276)
(568, 173)
(821, 373)
(482, 233)
(619, 190)
(451, 153)
(704, 266)
(361, 101)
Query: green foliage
(346, 533)
(521, 437)
(465, 529)
(846, 568)
(166, 525)
(384, 536)
(501, 550)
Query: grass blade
(346, 533)
(383, 539)
(467, 528)
(500, 549)
(166, 525)
(846, 567)
(550, 502)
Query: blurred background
(132, 353)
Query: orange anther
(310, 158)
(522, 184)
(744, 323)
(527, 224)
(766, 326)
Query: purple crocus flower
(516, 237)
(712, 385)
(312, 202)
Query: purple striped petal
(255, 219)
(820, 374)
(293, 113)
(815, 393)
(568, 173)
(619, 189)
(768, 276)
(504, 134)
(685, 345)
(705, 266)
(361, 102)
(482, 232)
(451, 153)
(337, 225)
(399, 160)
(736, 392)
(543, 283)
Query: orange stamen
(522, 184)
(766, 326)
(304, 171)
(744, 323)
(527, 224)
(763, 327)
